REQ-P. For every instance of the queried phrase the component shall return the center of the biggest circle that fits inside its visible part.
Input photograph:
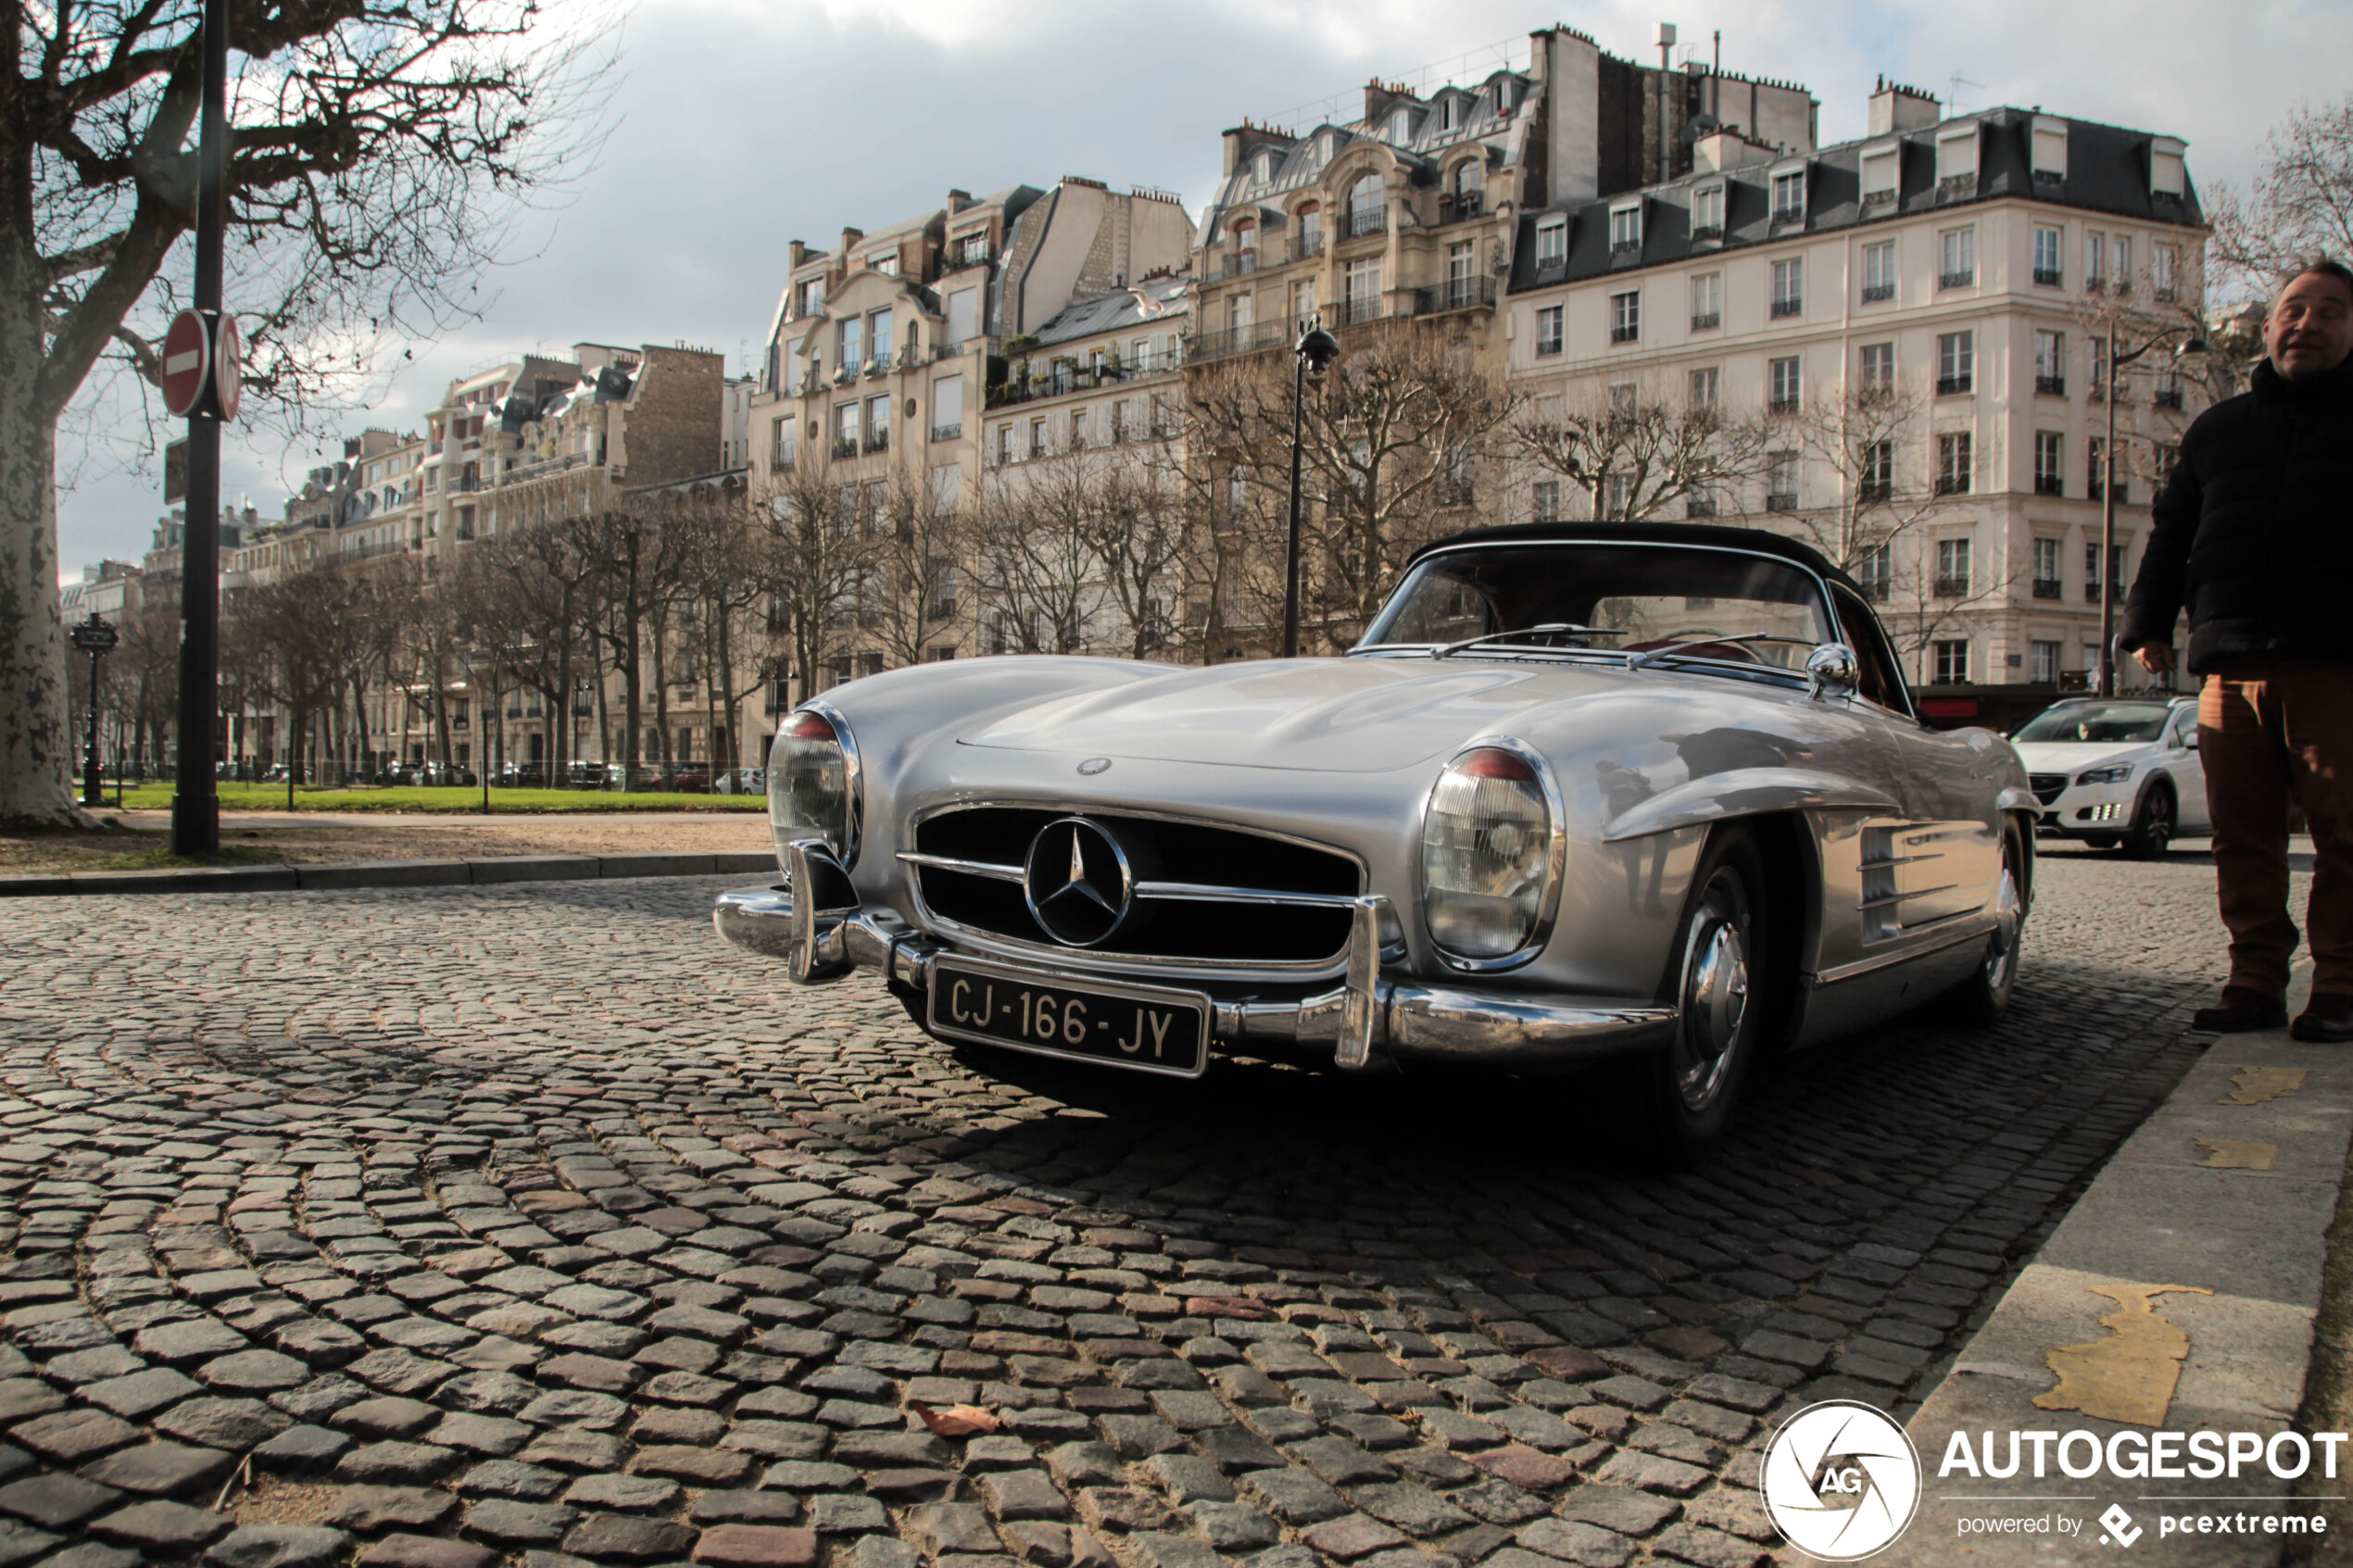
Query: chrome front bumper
(1369, 1019)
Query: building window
(1956, 363)
(1780, 483)
(1004, 445)
(1784, 386)
(1364, 280)
(972, 249)
(2162, 262)
(877, 424)
(1311, 231)
(948, 407)
(852, 345)
(1789, 286)
(1470, 180)
(782, 453)
(2050, 363)
(1875, 473)
(1548, 500)
(2044, 660)
(2095, 452)
(1625, 230)
(1240, 311)
(1625, 316)
(2049, 269)
(1881, 167)
(1548, 329)
(1704, 385)
(1955, 463)
(2092, 572)
(1952, 569)
(1302, 303)
(1707, 301)
(1078, 430)
(1552, 241)
(1879, 367)
(879, 335)
(1037, 437)
(1952, 663)
(1367, 205)
(2122, 254)
(2095, 260)
(1261, 168)
(1878, 271)
(812, 296)
(2047, 579)
(2050, 470)
(1707, 213)
(1876, 573)
(845, 430)
(1789, 196)
(1959, 268)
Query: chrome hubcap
(1714, 995)
(2009, 914)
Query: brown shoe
(2241, 1011)
(2328, 1019)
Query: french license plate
(1135, 1026)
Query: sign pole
(195, 803)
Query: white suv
(2113, 771)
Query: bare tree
(723, 579)
(379, 147)
(916, 553)
(1637, 451)
(813, 558)
(1891, 480)
(1140, 545)
(309, 628)
(1039, 582)
(1395, 438)
(2301, 201)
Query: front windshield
(1636, 598)
(2111, 721)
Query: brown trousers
(2269, 728)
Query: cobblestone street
(534, 1223)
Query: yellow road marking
(2256, 1084)
(2237, 1154)
(2130, 1375)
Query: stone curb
(2178, 1295)
(388, 873)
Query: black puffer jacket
(2254, 531)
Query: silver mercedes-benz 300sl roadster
(1647, 796)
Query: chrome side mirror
(1832, 671)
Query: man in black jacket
(2254, 533)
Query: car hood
(2066, 757)
(1329, 715)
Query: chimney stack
(1897, 107)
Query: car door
(2188, 771)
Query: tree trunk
(37, 731)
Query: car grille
(1204, 895)
(2047, 786)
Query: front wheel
(1717, 983)
(2152, 827)
(1986, 995)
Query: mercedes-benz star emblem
(1076, 881)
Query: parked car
(583, 775)
(687, 778)
(2112, 770)
(1651, 797)
(742, 780)
(521, 775)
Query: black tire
(1981, 1001)
(1715, 978)
(2153, 824)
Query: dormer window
(886, 263)
(1449, 113)
(1882, 174)
(1789, 196)
(1626, 228)
(2050, 151)
(1957, 160)
(1262, 168)
(1707, 212)
(2169, 180)
(1401, 127)
(1469, 182)
(1552, 243)
(1324, 148)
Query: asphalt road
(533, 1222)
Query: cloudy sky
(740, 125)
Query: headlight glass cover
(810, 785)
(2114, 773)
(1487, 843)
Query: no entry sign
(187, 362)
(228, 367)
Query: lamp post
(482, 745)
(1317, 349)
(97, 639)
(2108, 574)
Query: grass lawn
(272, 797)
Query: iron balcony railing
(1956, 280)
(1625, 335)
(1781, 501)
(1788, 306)
(845, 446)
(947, 431)
(2166, 397)
(1305, 245)
(1952, 484)
(2050, 277)
(1953, 386)
(2049, 588)
(1952, 587)
(2049, 484)
(1461, 294)
(1707, 320)
(1240, 261)
(2051, 386)
(1366, 221)
(1874, 293)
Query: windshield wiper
(1550, 628)
(1649, 657)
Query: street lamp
(2108, 574)
(97, 639)
(1316, 350)
(481, 746)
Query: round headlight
(1487, 855)
(812, 784)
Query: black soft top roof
(1720, 535)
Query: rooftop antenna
(1953, 99)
